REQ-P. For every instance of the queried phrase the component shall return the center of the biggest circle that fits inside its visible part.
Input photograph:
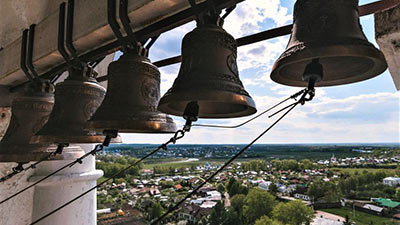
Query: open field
(351, 171)
(362, 218)
(178, 163)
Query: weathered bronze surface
(130, 105)
(329, 30)
(75, 102)
(5, 117)
(29, 114)
(209, 76)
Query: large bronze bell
(29, 113)
(76, 99)
(133, 92)
(328, 30)
(209, 76)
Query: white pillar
(51, 193)
(16, 211)
(63, 187)
(387, 32)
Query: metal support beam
(93, 37)
(187, 15)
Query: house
(264, 185)
(391, 181)
(193, 213)
(146, 172)
(368, 208)
(302, 196)
(178, 187)
(387, 203)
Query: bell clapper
(313, 73)
(191, 114)
(110, 134)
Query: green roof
(387, 202)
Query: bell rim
(69, 153)
(304, 56)
(133, 126)
(184, 97)
(71, 139)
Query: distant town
(270, 184)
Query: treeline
(356, 186)
(294, 165)
(256, 206)
(285, 164)
(113, 164)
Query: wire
(230, 160)
(79, 160)
(255, 117)
(178, 135)
(19, 168)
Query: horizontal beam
(364, 10)
(187, 15)
(93, 37)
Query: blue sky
(366, 111)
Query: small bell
(29, 113)
(76, 98)
(330, 31)
(75, 102)
(209, 76)
(130, 105)
(133, 88)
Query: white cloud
(377, 120)
(370, 117)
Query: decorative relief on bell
(209, 76)
(130, 104)
(150, 93)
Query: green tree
(273, 188)
(258, 203)
(232, 218)
(155, 210)
(233, 187)
(237, 204)
(397, 195)
(218, 214)
(293, 213)
(316, 190)
(265, 220)
(221, 188)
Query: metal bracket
(75, 65)
(36, 85)
(129, 44)
(210, 16)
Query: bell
(209, 76)
(133, 92)
(29, 113)
(330, 31)
(76, 99)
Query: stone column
(387, 33)
(63, 187)
(51, 193)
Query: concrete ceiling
(90, 31)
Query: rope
(255, 117)
(178, 135)
(301, 101)
(79, 160)
(20, 168)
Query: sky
(366, 111)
